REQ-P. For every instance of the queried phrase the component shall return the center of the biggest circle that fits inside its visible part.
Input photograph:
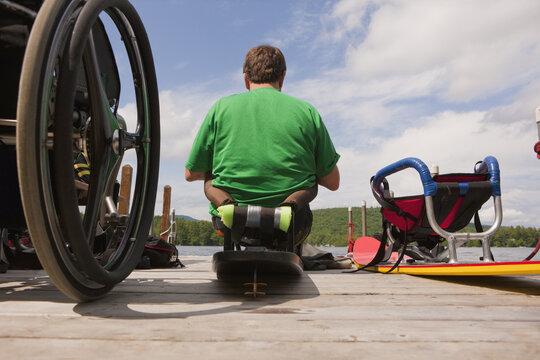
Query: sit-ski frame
(454, 239)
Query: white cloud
(346, 17)
(476, 48)
(456, 51)
(523, 107)
(182, 111)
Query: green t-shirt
(262, 146)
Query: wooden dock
(188, 314)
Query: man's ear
(281, 79)
(246, 81)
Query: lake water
(464, 253)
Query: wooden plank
(267, 349)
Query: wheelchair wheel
(68, 104)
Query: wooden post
(350, 233)
(125, 190)
(364, 218)
(172, 235)
(165, 213)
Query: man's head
(264, 65)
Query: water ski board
(462, 269)
(365, 250)
(266, 262)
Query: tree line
(189, 232)
(330, 228)
(509, 236)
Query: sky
(448, 82)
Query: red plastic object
(537, 149)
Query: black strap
(404, 241)
(379, 256)
(477, 223)
(291, 236)
(267, 223)
(239, 223)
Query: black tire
(64, 240)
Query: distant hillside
(330, 225)
(185, 217)
(330, 228)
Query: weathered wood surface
(187, 313)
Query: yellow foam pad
(285, 219)
(226, 213)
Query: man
(262, 147)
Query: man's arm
(330, 181)
(195, 175)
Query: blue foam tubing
(489, 164)
(430, 188)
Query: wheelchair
(63, 99)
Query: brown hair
(264, 64)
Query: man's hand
(330, 181)
(195, 175)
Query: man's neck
(253, 86)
